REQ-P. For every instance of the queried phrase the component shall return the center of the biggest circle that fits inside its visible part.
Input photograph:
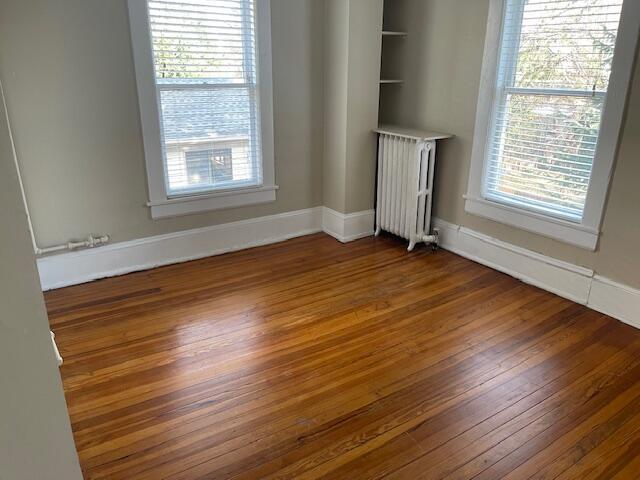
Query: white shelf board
(413, 133)
(389, 33)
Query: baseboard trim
(82, 266)
(347, 227)
(615, 299)
(576, 283)
(567, 280)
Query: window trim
(586, 233)
(160, 203)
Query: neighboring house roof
(216, 113)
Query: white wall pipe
(90, 242)
(55, 348)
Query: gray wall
(69, 78)
(35, 436)
(71, 92)
(335, 62)
(351, 75)
(365, 38)
(440, 62)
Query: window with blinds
(553, 74)
(204, 54)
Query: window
(543, 162)
(209, 167)
(222, 165)
(204, 84)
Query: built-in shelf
(391, 33)
(385, 81)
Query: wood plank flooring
(312, 359)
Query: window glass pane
(209, 166)
(199, 168)
(546, 149)
(566, 44)
(204, 55)
(555, 63)
(209, 118)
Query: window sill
(186, 205)
(558, 229)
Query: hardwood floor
(313, 359)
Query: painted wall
(335, 62)
(352, 73)
(440, 62)
(365, 38)
(70, 84)
(35, 434)
(69, 78)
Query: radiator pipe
(56, 352)
(90, 242)
(430, 239)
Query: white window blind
(553, 74)
(205, 71)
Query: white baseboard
(565, 279)
(82, 266)
(559, 277)
(119, 258)
(347, 227)
(615, 299)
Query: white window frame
(161, 204)
(585, 233)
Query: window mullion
(202, 86)
(560, 92)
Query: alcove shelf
(392, 33)
(392, 29)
